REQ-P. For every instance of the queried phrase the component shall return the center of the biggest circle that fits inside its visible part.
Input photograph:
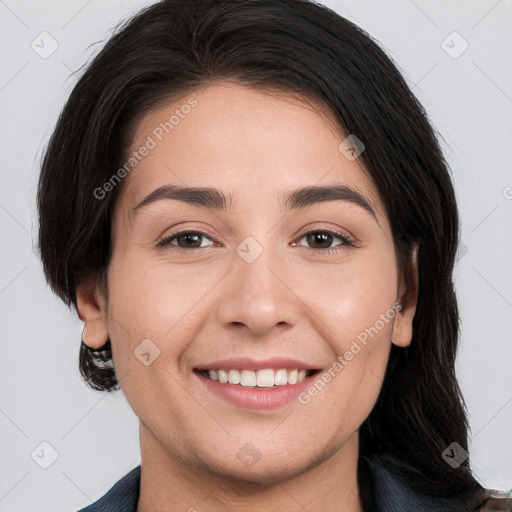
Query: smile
(263, 378)
(263, 388)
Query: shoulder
(496, 501)
(385, 489)
(123, 495)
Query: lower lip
(254, 397)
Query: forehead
(253, 144)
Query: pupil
(188, 238)
(320, 238)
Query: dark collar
(381, 488)
(122, 497)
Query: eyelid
(165, 242)
(346, 240)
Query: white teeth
(234, 377)
(265, 378)
(248, 378)
(281, 377)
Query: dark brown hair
(301, 47)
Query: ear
(407, 295)
(92, 311)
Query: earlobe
(407, 297)
(95, 333)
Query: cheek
(354, 313)
(156, 301)
(351, 296)
(354, 382)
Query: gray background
(95, 435)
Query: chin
(272, 468)
(259, 475)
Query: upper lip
(246, 363)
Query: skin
(208, 304)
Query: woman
(252, 216)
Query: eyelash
(165, 243)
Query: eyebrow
(212, 198)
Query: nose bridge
(258, 293)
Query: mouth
(262, 378)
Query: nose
(258, 295)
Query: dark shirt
(384, 491)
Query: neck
(170, 484)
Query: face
(249, 281)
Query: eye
(325, 238)
(186, 240)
